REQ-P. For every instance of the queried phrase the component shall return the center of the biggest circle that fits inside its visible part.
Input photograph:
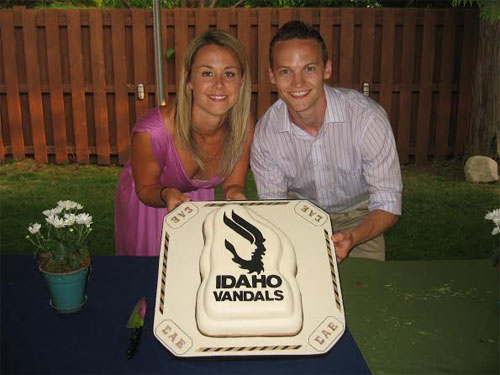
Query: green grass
(443, 216)
(27, 188)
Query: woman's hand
(234, 193)
(173, 197)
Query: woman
(181, 152)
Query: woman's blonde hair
(238, 122)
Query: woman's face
(215, 80)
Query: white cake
(248, 277)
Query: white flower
(33, 229)
(69, 205)
(493, 215)
(69, 219)
(53, 211)
(84, 218)
(55, 221)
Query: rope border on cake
(164, 273)
(332, 269)
(248, 348)
(246, 204)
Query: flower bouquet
(62, 247)
(61, 250)
(495, 217)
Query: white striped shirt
(352, 161)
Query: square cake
(248, 278)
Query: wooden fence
(68, 78)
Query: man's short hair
(296, 30)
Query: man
(332, 146)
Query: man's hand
(370, 227)
(343, 241)
(173, 197)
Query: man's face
(299, 73)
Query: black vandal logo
(252, 235)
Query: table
(35, 339)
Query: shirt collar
(335, 110)
(335, 106)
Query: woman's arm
(147, 173)
(234, 184)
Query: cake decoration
(248, 270)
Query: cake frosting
(248, 277)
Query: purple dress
(137, 226)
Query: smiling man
(332, 146)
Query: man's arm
(374, 224)
(269, 178)
(382, 174)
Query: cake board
(306, 227)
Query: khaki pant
(372, 249)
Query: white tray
(309, 230)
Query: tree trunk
(484, 129)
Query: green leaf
(170, 52)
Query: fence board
(33, 84)
(326, 31)
(425, 95)
(120, 85)
(181, 38)
(284, 15)
(446, 86)
(15, 120)
(264, 38)
(139, 51)
(56, 86)
(243, 32)
(306, 15)
(77, 87)
(99, 87)
(223, 19)
(407, 62)
(346, 48)
(465, 89)
(367, 47)
(202, 20)
(387, 60)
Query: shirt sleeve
(269, 178)
(381, 168)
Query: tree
(484, 131)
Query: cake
(248, 274)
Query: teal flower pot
(67, 290)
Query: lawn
(443, 216)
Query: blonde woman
(183, 151)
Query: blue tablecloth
(35, 339)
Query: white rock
(481, 169)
